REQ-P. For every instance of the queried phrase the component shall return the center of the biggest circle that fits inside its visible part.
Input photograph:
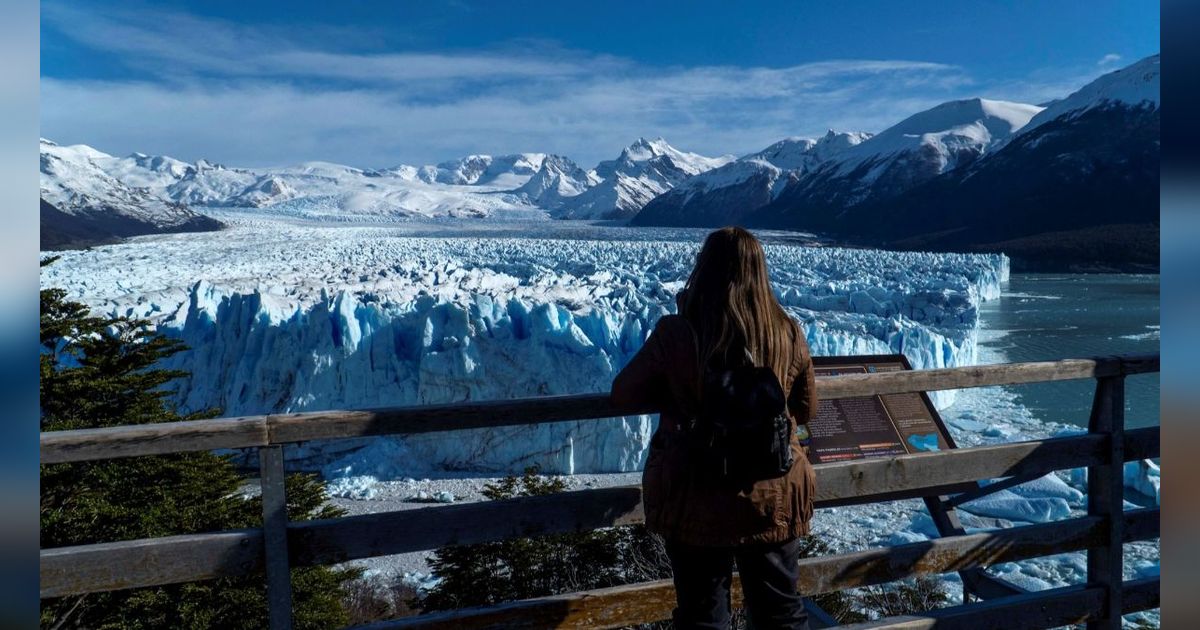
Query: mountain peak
(1000, 117)
(643, 149)
(1135, 85)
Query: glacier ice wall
(301, 319)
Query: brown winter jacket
(690, 508)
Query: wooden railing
(279, 545)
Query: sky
(376, 84)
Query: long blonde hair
(729, 302)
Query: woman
(727, 314)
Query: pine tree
(100, 372)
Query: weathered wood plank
(940, 555)
(131, 564)
(275, 538)
(1141, 524)
(1144, 443)
(450, 417)
(252, 431)
(600, 608)
(864, 481)
(368, 535)
(1039, 609)
(1139, 595)
(852, 385)
(1143, 363)
(976, 581)
(1106, 498)
(428, 528)
(152, 439)
(639, 603)
(1027, 611)
(148, 562)
(911, 473)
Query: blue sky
(381, 83)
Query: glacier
(286, 316)
(289, 315)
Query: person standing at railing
(726, 478)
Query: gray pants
(768, 573)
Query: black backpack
(742, 434)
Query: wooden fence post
(1106, 497)
(274, 505)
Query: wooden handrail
(277, 429)
(630, 604)
(110, 566)
(279, 546)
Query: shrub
(902, 598)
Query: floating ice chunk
(1048, 486)
(903, 537)
(1009, 505)
(999, 431)
(1148, 569)
(966, 424)
(1142, 476)
(1020, 575)
(923, 524)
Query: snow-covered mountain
(807, 153)
(643, 171)
(1133, 87)
(520, 185)
(557, 179)
(81, 203)
(727, 193)
(474, 186)
(840, 170)
(502, 171)
(1076, 187)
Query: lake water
(1054, 316)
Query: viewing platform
(993, 603)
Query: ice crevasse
(506, 331)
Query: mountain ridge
(905, 187)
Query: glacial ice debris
(1142, 475)
(357, 318)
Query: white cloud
(253, 97)
(259, 122)
(1109, 59)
